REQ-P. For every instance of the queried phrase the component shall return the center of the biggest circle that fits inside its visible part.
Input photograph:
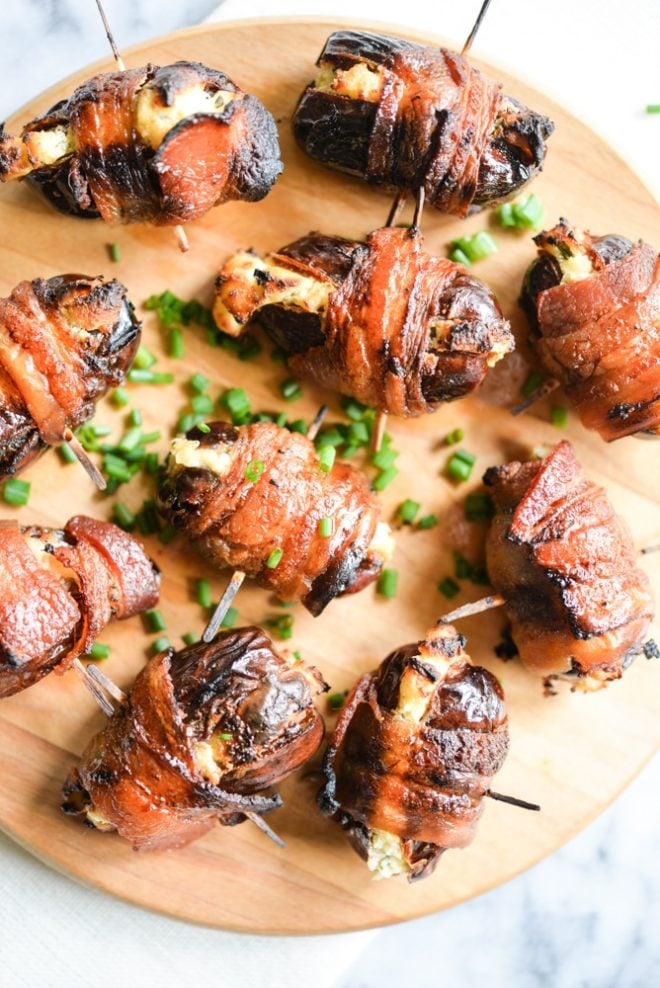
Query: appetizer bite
(566, 567)
(594, 305)
(64, 342)
(403, 117)
(380, 321)
(200, 736)
(158, 145)
(58, 590)
(259, 499)
(413, 754)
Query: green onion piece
(281, 420)
(533, 381)
(274, 559)
(236, 401)
(113, 251)
(478, 506)
(119, 397)
(329, 437)
(505, 215)
(144, 358)
(459, 257)
(154, 620)
(384, 479)
(198, 383)
(459, 465)
(116, 468)
(354, 409)
(336, 700)
(528, 213)
(559, 416)
(299, 426)
(203, 427)
(123, 516)
(130, 440)
(428, 521)
(407, 511)
(474, 248)
(297, 656)
(462, 568)
(448, 587)
(387, 583)
(653, 107)
(16, 492)
(225, 737)
(190, 638)
(66, 453)
(166, 534)
(453, 437)
(290, 389)
(136, 455)
(135, 417)
(203, 593)
(384, 458)
(139, 376)
(201, 404)
(160, 645)
(99, 651)
(176, 347)
(282, 625)
(254, 470)
(358, 434)
(149, 437)
(147, 518)
(326, 527)
(327, 456)
(230, 618)
(151, 463)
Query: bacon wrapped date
(413, 753)
(201, 734)
(64, 342)
(594, 303)
(157, 145)
(381, 321)
(252, 498)
(58, 590)
(566, 566)
(404, 117)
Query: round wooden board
(572, 753)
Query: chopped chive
(198, 383)
(354, 409)
(349, 450)
(144, 358)
(559, 416)
(290, 389)
(505, 214)
(203, 593)
(230, 618)
(135, 417)
(225, 737)
(653, 107)
(298, 426)
(67, 453)
(151, 463)
(274, 559)
(281, 420)
(116, 468)
(147, 518)
(140, 376)
(358, 433)
(154, 620)
(459, 465)
(119, 397)
(282, 625)
(130, 440)
(236, 401)
(149, 437)
(428, 521)
(526, 214)
(387, 583)
(459, 257)
(123, 516)
(462, 568)
(254, 470)
(336, 700)
(160, 644)
(407, 511)
(329, 437)
(327, 456)
(99, 651)
(203, 427)
(326, 527)
(16, 492)
(474, 248)
(453, 437)
(201, 404)
(166, 534)
(136, 455)
(533, 381)
(384, 478)
(384, 458)
(478, 506)
(176, 346)
(190, 638)
(114, 252)
(448, 587)
(297, 656)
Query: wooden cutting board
(573, 753)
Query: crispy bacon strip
(202, 733)
(413, 754)
(58, 590)
(148, 145)
(566, 565)
(595, 305)
(381, 321)
(403, 116)
(268, 526)
(64, 342)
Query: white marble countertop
(588, 916)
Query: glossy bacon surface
(567, 567)
(201, 734)
(401, 331)
(419, 116)
(413, 753)
(239, 523)
(59, 589)
(600, 336)
(64, 342)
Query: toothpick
(543, 390)
(475, 27)
(84, 459)
(476, 607)
(512, 800)
(262, 825)
(93, 687)
(317, 422)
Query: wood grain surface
(572, 753)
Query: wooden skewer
(94, 688)
(542, 391)
(106, 683)
(84, 459)
(234, 585)
(475, 607)
(179, 232)
(475, 27)
(397, 206)
(512, 800)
